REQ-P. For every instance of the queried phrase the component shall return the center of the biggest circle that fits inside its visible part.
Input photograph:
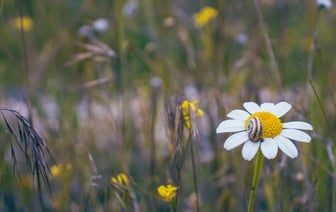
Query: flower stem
(256, 176)
(194, 171)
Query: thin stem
(325, 116)
(274, 65)
(26, 65)
(332, 137)
(310, 69)
(119, 29)
(256, 176)
(310, 65)
(194, 171)
(152, 164)
(178, 157)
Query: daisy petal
(250, 149)
(269, 148)
(238, 114)
(300, 125)
(231, 125)
(235, 140)
(286, 146)
(269, 107)
(251, 107)
(296, 135)
(281, 109)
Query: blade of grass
(274, 65)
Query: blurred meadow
(104, 82)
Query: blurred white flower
(260, 127)
(130, 7)
(100, 25)
(156, 82)
(324, 3)
(241, 38)
(85, 31)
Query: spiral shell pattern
(254, 129)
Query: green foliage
(95, 95)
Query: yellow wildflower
(121, 179)
(58, 170)
(186, 111)
(167, 192)
(26, 23)
(204, 16)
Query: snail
(254, 129)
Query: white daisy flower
(261, 127)
(100, 25)
(324, 3)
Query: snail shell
(254, 129)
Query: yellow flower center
(270, 124)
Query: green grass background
(124, 124)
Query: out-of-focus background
(104, 81)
